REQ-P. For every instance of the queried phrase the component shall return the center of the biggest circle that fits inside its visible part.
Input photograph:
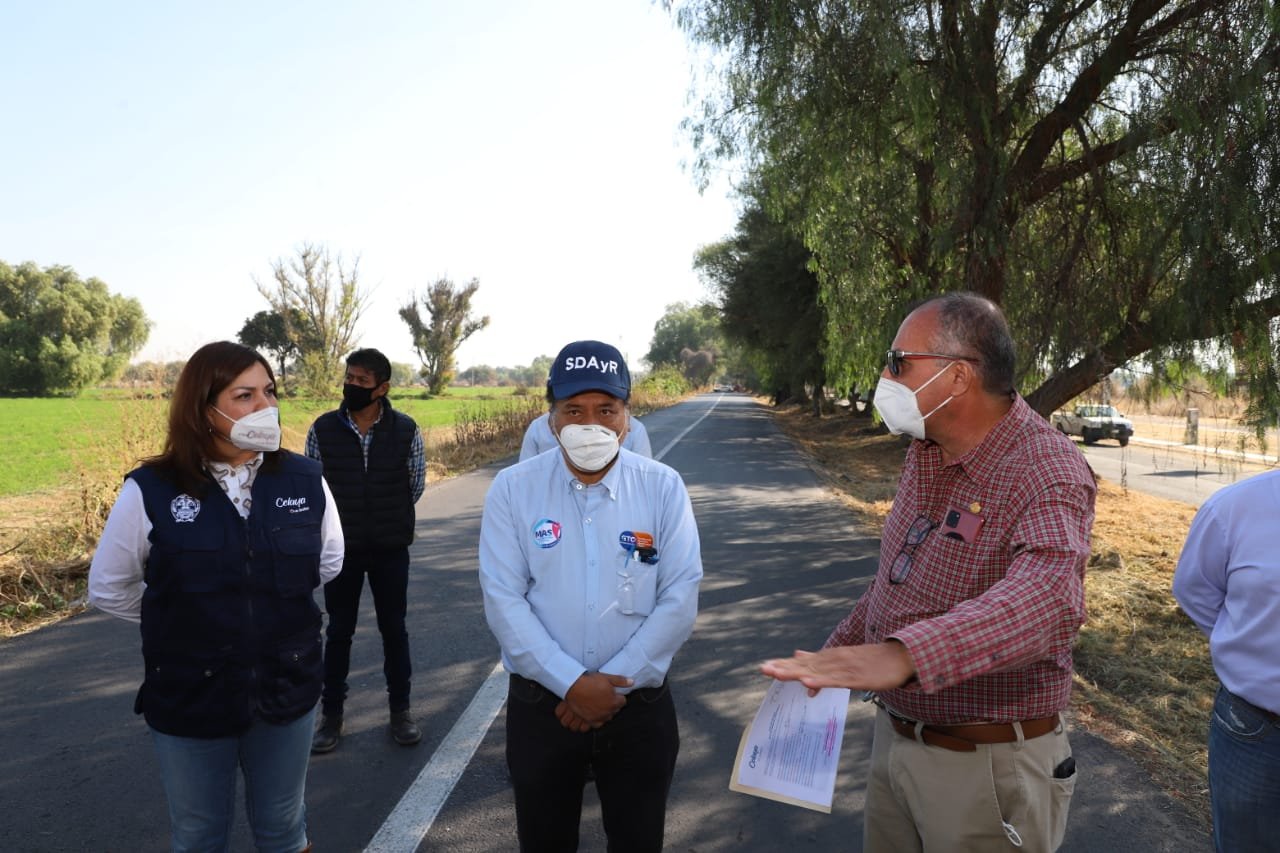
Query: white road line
(673, 442)
(411, 819)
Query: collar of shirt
(609, 481)
(351, 422)
(983, 462)
(237, 481)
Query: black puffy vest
(230, 629)
(376, 505)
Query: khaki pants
(1003, 797)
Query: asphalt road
(783, 563)
(1168, 470)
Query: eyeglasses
(895, 357)
(920, 530)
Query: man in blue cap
(589, 565)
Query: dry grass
(1143, 676)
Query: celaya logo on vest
(294, 505)
(184, 508)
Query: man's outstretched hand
(876, 666)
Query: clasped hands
(592, 701)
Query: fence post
(1192, 435)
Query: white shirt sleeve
(115, 575)
(535, 437)
(637, 440)
(333, 545)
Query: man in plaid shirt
(964, 636)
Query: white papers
(790, 751)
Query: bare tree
(450, 324)
(320, 301)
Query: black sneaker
(327, 735)
(403, 729)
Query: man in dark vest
(375, 466)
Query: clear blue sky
(174, 150)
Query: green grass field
(50, 443)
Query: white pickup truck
(1093, 422)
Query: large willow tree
(1106, 171)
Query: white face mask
(898, 408)
(258, 430)
(590, 446)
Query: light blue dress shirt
(563, 593)
(538, 438)
(1228, 582)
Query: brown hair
(189, 442)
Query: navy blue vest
(230, 629)
(376, 505)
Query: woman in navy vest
(215, 546)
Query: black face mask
(357, 397)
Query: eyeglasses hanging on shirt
(920, 530)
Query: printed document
(790, 751)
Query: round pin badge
(546, 533)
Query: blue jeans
(388, 573)
(1244, 775)
(199, 776)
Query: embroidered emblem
(294, 505)
(184, 508)
(546, 533)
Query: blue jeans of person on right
(1244, 776)
(388, 573)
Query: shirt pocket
(296, 551)
(635, 587)
(291, 677)
(197, 688)
(192, 563)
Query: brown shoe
(327, 735)
(403, 729)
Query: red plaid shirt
(989, 623)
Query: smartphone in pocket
(962, 524)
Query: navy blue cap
(589, 366)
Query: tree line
(1105, 171)
(316, 301)
(60, 334)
